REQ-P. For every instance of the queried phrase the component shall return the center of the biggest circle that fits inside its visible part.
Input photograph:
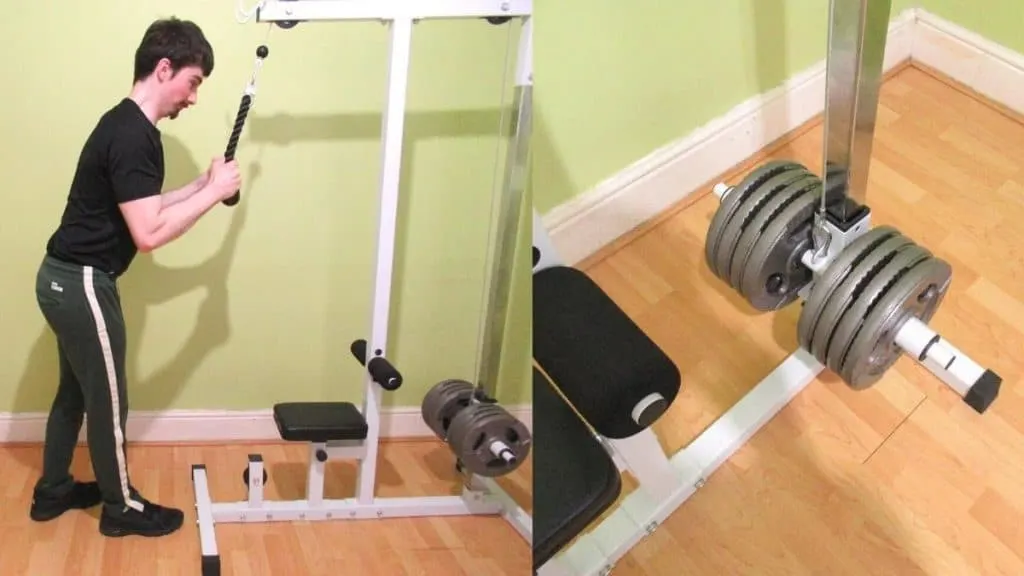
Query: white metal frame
(388, 10)
(665, 482)
(480, 496)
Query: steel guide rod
(509, 214)
(853, 67)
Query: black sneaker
(154, 520)
(82, 495)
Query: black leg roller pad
(382, 371)
(574, 478)
(615, 376)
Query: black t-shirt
(122, 160)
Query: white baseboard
(668, 175)
(222, 425)
(980, 64)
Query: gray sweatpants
(83, 308)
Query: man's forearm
(176, 219)
(179, 195)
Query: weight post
(977, 386)
(853, 69)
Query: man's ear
(164, 71)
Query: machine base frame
(479, 497)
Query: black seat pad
(574, 478)
(319, 421)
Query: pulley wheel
(772, 273)
(754, 179)
(849, 289)
(918, 292)
(443, 402)
(745, 215)
(868, 295)
(488, 441)
(832, 277)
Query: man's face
(181, 89)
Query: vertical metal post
(509, 214)
(393, 129)
(856, 51)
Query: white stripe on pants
(115, 400)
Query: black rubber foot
(211, 565)
(984, 392)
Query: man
(114, 209)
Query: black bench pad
(574, 478)
(319, 421)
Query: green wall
(1001, 21)
(630, 77)
(258, 304)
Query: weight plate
(773, 272)
(917, 293)
(488, 440)
(745, 214)
(761, 219)
(832, 276)
(849, 289)
(443, 402)
(734, 198)
(846, 328)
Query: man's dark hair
(180, 41)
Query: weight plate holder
(745, 215)
(869, 294)
(918, 292)
(773, 273)
(759, 243)
(736, 195)
(761, 215)
(843, 295)
(444, 400)
(832, 277)
(487, 440)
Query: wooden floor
(899, 479)
(72, 546)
